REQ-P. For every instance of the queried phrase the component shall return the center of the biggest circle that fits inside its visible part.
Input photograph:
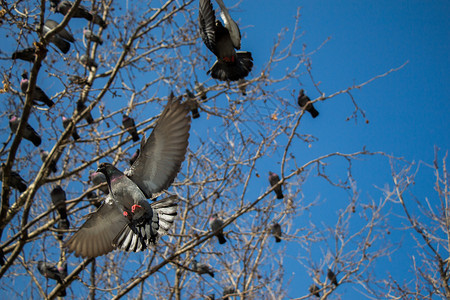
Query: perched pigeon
(215, 223)
(228, 291)
(128, 124)
(126, 220)
(80, 108)
(52, 271)
(314, 290)
(52, 165)
(222, 41)
(28, 133)
(99, 178)
(89, 35)
(193, 104)
(200, 89)
(303, 102)
(58, 196)
(62, 39)
(27, 54)
(88, 62)
(64, 6)
(38, 96)
(273, 179)
(276, 232)
(242, 85)
(332, 277)
(14, 180)
(134, 157)
(202, 268)
(66, 123)
(61, 226)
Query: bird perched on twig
(28, 133)
(98, 178)
(193, 104)
(274, 179)
(276, 232)
(38, 96)
(80, 108)
(27, 54)
(215, 223)
(130, 126)
(14, 180)
(52, 164)
(202, 268)
(304, 103)
(332, 277)
(89, 35)
(62, 39)
(314, 290)
(64, 6)
(52, 271)
(200, 89)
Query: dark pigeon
(80, 108)
(202, 268)
(193, 104)
(52, 165)
(126, 220)
(215, 223)
(303, 102)
(90, 36)
(200, 89)
(276, 232)
(61, 227)
(64, 6)
(28, 133)
(222, 41)
(228, 291)
(38, 97)
(14, 180)
(134, 157)
(332, 277)
(98, 178)
(27, 54)
(52, 271)
(128, 124)
(88, 62)
(314, 290)
(273, 179)
(242, 85)
(58, 196)
(62, 39)
(66, 123)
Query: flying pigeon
(52, 165)
(64, 6)
(229, 290)
(27, 54)
(332, 277)
(276, 232)
(58, 196)
(128, 124)
(89, 35)
(38, 93)
(80, 108)
(28, 133)
(62, 39)
(88, 62)
(126, 220)
(273, 179)
(14, 180)
(66, 123)
(202, 268)
(134, 157)
(303, 102)
(222, 41)
(314, 290)
(52, 271)
(193, 104)
(200, 89)
(99, 178)
(215, 223)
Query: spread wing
(161, 155)
(207, 24)
(233, 29)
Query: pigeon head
(25, 75)
(109, 171)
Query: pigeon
(62, 39)
(200, 89)
(99, 178)
(126, 220)
(128, 124)
(276, 232)
(229, 290)
(89, 35)
(61, 226)
(80, 108)
(52, 271)
(303, 102)
(66, 123)
(28, 133)
(58, 196)
(134, 157)
(52, 165)
(38, 95)
(94, 199)
(193, 104)
(64, 6)
(314, 290)
(273, 179)
(332, 277)
(222, 41)
(14, 180)
(27, 54)
(215, 223)
(202, 268)
(88, 62)
(75, 79)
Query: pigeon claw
(134, 207)
(125, 214)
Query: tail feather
(233, 71)
(221, 239)
(61, 44)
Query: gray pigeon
(193, 104)
(52, 271)
(88, 62)
(28, 133)
(52, 165)
(66, 123)
(38, 97)
(98, 178)
(303, 102)
(273, 179)
(222, 41)
(200, 89)
(202, 268)
(58, 196)
(215, 223)
(276, 232)
(62, 39)
(89, 35)
(314, 290)
(126, 220)
(128, 124)
(80, 108)
(134, 157)
(228, 291)
(64, 6)
(27, 54)
(75, 79)
(14, 180)
(332, 277)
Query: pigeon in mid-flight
(303, 102)
(273, 179)
(227, 291)
(62, 39)
(66, 123)
(201, 268)
(215, 223)
(28, 133)
(55, 272)
(64, 6)
(332, 277)
(14, 180)
(52, 165)
(126, 220)
(222, 41)
(89, 35)
(88, 62)
(276, 232)
(128, 124)
(38, 96)
(80, 108)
